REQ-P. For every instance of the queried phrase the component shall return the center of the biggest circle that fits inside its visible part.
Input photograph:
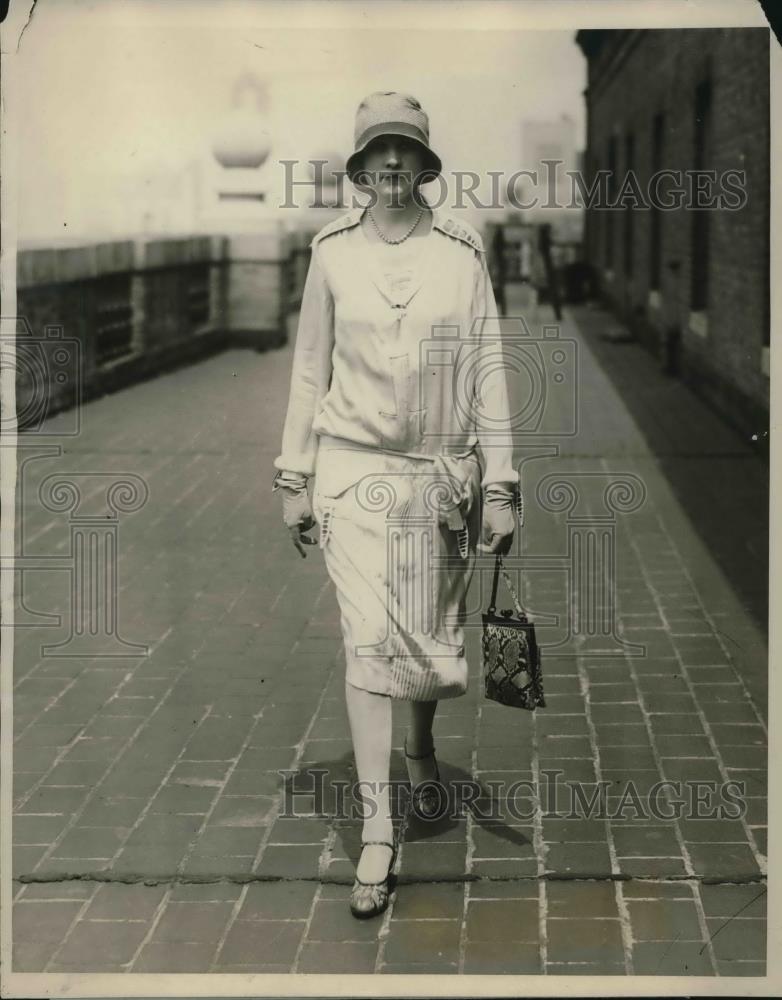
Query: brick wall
(634, 76)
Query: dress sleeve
(490, 384)
(311, 372)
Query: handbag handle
(492, 604)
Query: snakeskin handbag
(511, 659)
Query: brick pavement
(149, 833)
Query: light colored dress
(398, 262)
(396, 463)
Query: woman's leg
(370, 725)
(420, 741)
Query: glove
(296, 509)
(501, 509)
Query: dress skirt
(399, 536)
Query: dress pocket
(403, 432)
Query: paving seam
(624, 917)
(247, 879)
(537, 825)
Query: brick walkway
(149, 833)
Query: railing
(198, 292)
(91, 318)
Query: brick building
(693, 284)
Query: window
(612, 188)
(656, 218)
(699, 263)
(628, 212)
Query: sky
(109, 98)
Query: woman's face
(393, 164)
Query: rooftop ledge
(45, 264)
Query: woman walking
(397, 380)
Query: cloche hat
(391, 113)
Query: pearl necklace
(385, 239)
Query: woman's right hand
(500, 513)
(297, 514)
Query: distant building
(547, 141)
(692, 283)
(549, 153)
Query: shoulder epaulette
(461, 231)
(345, 221)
